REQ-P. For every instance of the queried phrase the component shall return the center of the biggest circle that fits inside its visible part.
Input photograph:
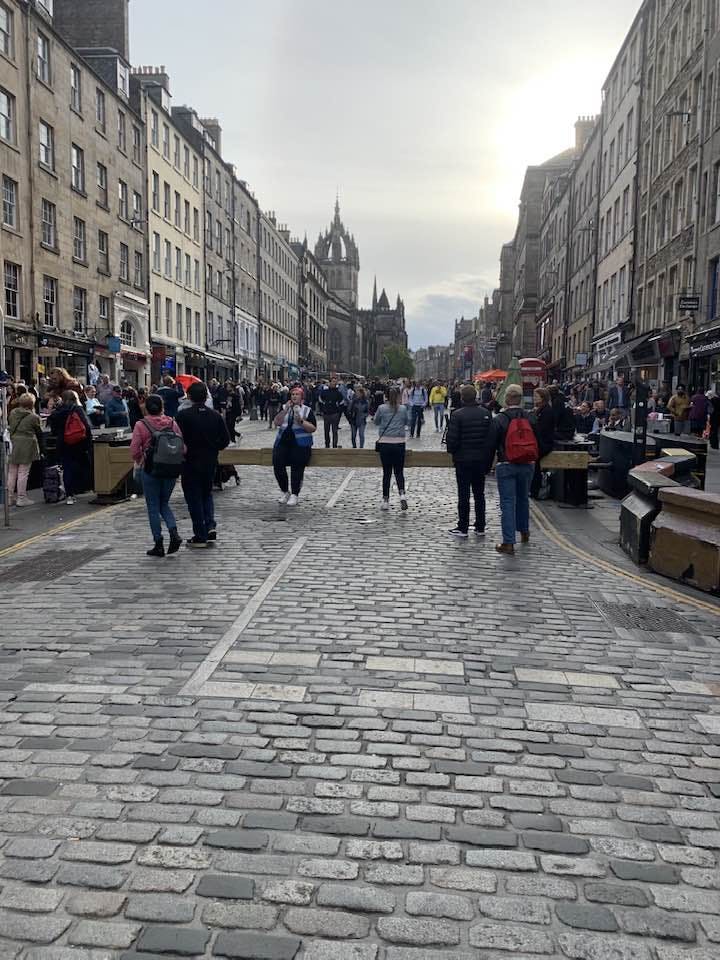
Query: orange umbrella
(491, 375)
(185, 379)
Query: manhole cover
(635, 617)
(50, 565)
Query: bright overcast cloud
(424, 113)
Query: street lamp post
(4, 460)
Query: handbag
(377, 442)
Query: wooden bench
(113, 464)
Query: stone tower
(337, 254)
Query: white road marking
(340, 490)
(209, 664)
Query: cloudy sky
(422, 113)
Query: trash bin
(616, 448)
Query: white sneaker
(284, 498)
(23, 502)
(70, 501)
(385, 505)
(403, 502)
(292, 500)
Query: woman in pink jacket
(158, 488)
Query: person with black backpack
(157, 448)
(517, 452)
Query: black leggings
(296, 458)
(392, 457)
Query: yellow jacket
(438, 395)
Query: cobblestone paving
(341, 735)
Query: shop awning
(621, 352)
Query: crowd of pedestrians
(178, 434)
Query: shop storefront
(222, 367)
(73, 355)
(196, 363)
(165, 358)
(18, 359)
(704, 351)
(133, 367)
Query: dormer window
(123, 79)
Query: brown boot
(505, 548)
(524, 538)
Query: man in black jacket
(470, 441)
(205, 435)
(332, 405)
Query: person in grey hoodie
(391, 420)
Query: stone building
(217, 217)
(434, 363)
(623, 111)
(383, 326)
(506, 299)
(177, 282)
(526, 245)
(584, 206)
(312, 312)
(73, 230)
(487, 333)
(245, 230)
(278, 282)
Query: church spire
(374, 304)
(337, 205)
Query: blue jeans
(513, 481)
(416, 412)
(197, 487)
(158, 491)
(439, 411)
(357, 432)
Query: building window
(176, 152)
(122, 132)
(188, 323)
(100, 111)
(127, 334)
(48, 219)
(197, 276)
(218, 238)
(124, 262)
(104, 309)
(103, 252)
(154, 134)
(12, 291)
(208, 230)
(197, 327)
(166, 141)
(79, 240)
(123, 79)
(196, 172)
(136, 145)
(178, 265)
(178, 321)
(178, 209)
(168, 259)
(43, 58)
(186, 165)
(79, 309)
(78, 168)
(156, 192)
(46, 136)
(196, 225)
(157, 303)
(137, 212)
(6, 31)
(139, 273)
(186, 219)
(50, 288)
(156, 252)
(75, 88)
(102, 185)
(168, 316)
(188, 270)
(9, 202)
(123, 208)
(166, 200)
(210, 328)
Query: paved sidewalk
(341, 735)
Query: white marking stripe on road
(207, 667)
(340, 490)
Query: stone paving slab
(518, 778)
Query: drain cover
(51, 565)
(651, 618)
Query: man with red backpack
(517, 451)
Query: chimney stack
(212, 125)
(584, 127)
(94, 24)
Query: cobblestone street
(341, 735)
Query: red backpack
(520, 442)
(74, 431)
